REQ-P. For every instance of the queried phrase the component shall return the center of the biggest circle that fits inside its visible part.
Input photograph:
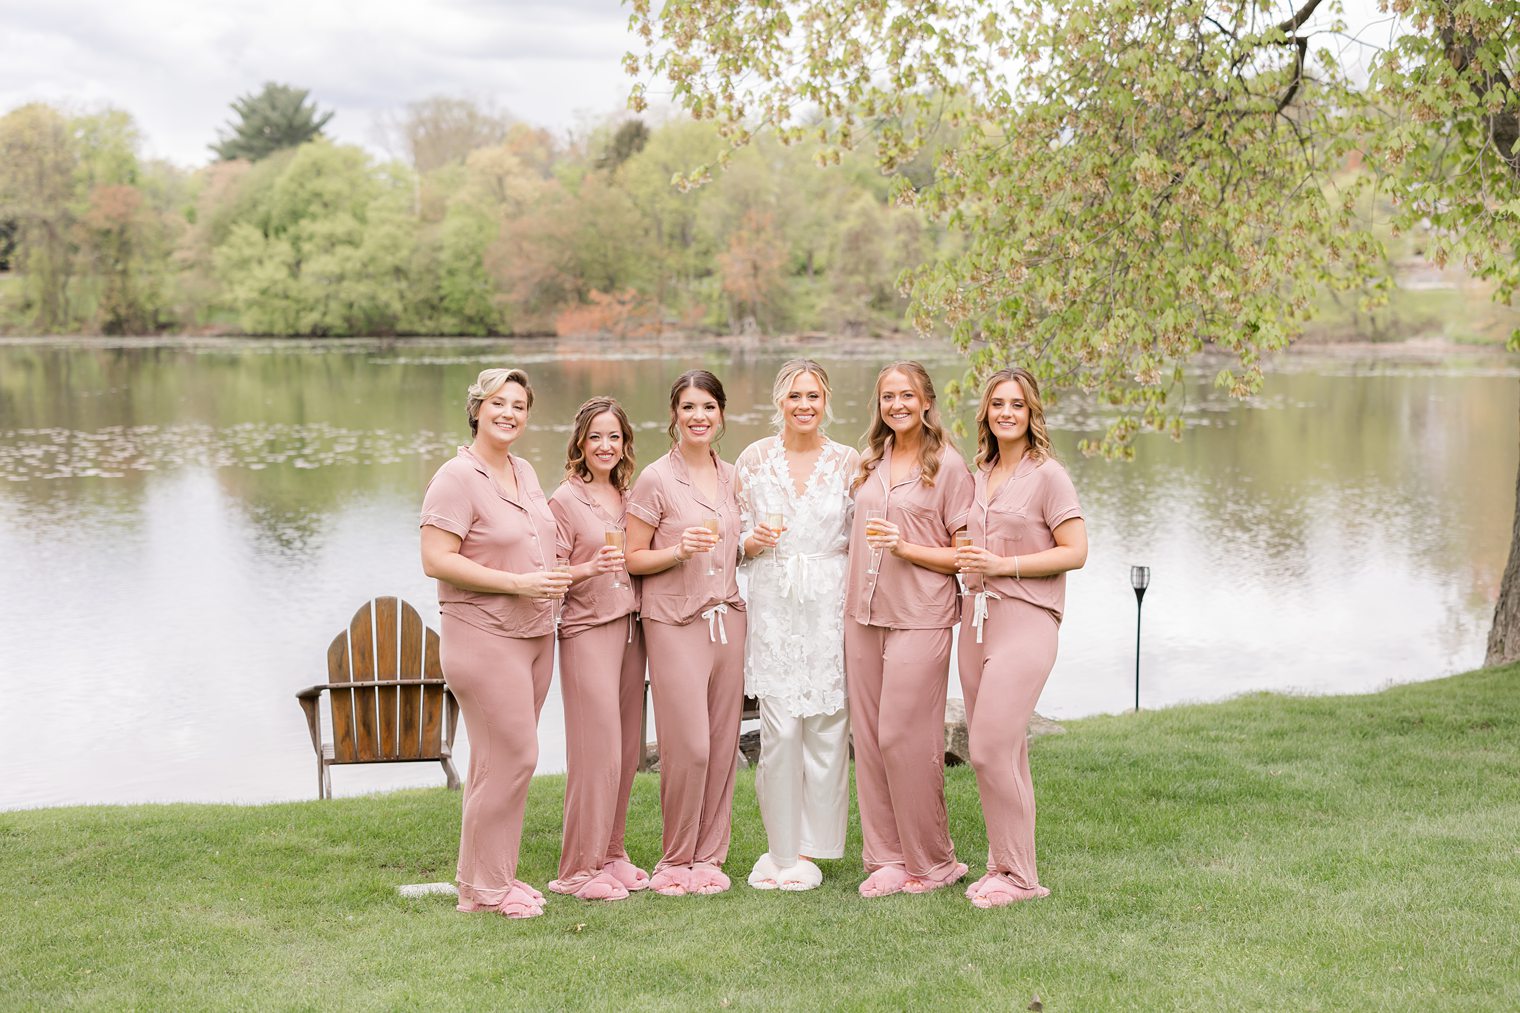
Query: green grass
(1264, 853)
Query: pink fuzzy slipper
(602, 886)
(631, 876)
(671, 881)
(884, 882)
(707, 878)
(921, 884)
(1000, 891)
(976, 888)
(517, 903)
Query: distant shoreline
(1417, 348)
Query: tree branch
(1303, 14)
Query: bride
(794, 494)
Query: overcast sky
(176, 64)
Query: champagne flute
(616, 538)
(963, 541)
(559, 603)
(776, 520)
(873, 516)
(712, 524)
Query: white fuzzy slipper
(802, 876)
(764, 875)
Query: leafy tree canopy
(273, 119)
(1135, 180)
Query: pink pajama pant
(601, 678)
(698, 688)
(897, 681)
(500, 683)
(1001, 679)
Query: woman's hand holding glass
(695, 540)
(544, 584)
(609, 559)
(767, 533)
(882, 535)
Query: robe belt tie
(714, 617)
(979, 610)
(633, 621)
(797, 574)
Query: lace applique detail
(794, 650)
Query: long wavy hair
(708, 384)
(787, 375)
(575, 455)
(878, 432)
(1039, 440)
(487, 384)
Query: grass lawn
(1265, 853)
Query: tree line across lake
(480, 226)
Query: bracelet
(676, 551)
(1015, 567)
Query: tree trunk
(1504, 637)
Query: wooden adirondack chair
(387, 701)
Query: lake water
(184, 527)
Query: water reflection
(184, 528)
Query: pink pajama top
(904, 596)
(1021, 518)
(583, 524)
(496, 531)
(665, 498)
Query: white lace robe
(794, 651)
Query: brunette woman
(1026, 532)
(601, 656)
(489, 539)
(912, 494)
(683, 538)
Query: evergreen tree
(276, 118)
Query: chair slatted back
(385, 640)
(432, 698)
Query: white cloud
(176, 64)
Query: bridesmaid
(1026, 532)
(694, 625)
(912, 494)
(601, 657)
(488, 537)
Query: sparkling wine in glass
(776, 520)
(872, 527)
(559, 602)
(616, 538)
(712, 524)
(963, 541)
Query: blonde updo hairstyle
(485, 387)
(1039, 440)
(790, 371)
(575, 456)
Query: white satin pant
(803, 782)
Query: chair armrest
(309, 704)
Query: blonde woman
(601, 656)
(794, 492)
(489, 539)
(912, 494)
(1026, 532)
